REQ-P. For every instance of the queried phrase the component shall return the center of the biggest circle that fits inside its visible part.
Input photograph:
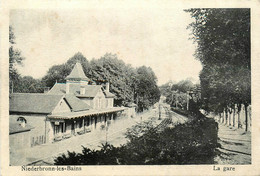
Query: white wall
(99, 100)
(109, 102)
(62, 106)
(19, 140)
(36, 121)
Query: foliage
(139, 129)
(177, 92)
(121, 77)
(194, 142)
(15, 59)
(147, 90)
(191, 143)
(126, 82)
(183, 86)
(223, 47)
(58, 73)
(28, 84)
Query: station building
(67, 109)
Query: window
(56, 129)
(21, 119)
(63, 127)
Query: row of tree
(176, 93)
(129, 84)
(223, 47)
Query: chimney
(107, 86)
(46, 89)
(82, 90)
(67, 87)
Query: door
(73, 128)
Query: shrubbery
(191, 143)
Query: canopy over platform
(73, 115)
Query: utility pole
(188, 99)
(159, 111)
(176, 99)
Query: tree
(126, 82)
(147, 90)
(28, 84)
(15, 59)
(223, 47)
(121, 77)
(176, 93)
(183, 86)
(58, 73)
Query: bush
(191, 143)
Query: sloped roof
(77, 73)
(108, 94)
(76, 104)
(90, 91)
(58, 88)
(74, 88)
(71, 115)
(33, 102)
(15, 127)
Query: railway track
(165, 122)
(170, 118)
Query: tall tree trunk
(234, 113)
(246, 105)
(226, 112)
(223, 117)
(238, 120)
(238, 115)
(229, 117)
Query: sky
(154, 37)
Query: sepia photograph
(92, 105)
(109, 86)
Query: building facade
(67, 109)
